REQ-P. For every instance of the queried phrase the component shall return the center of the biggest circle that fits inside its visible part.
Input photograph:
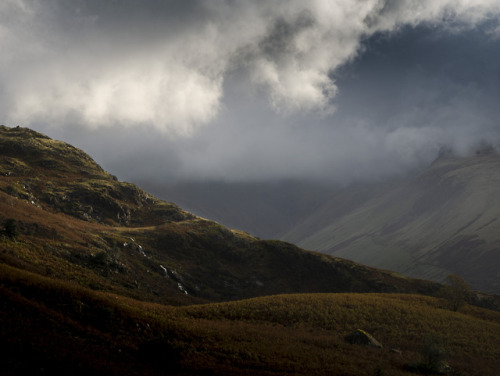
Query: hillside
(78, 223)
(58, 177)
(55, 327)
(442, 221)
(99, 277)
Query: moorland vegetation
(99, 277)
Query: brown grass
(285, 334)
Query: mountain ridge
(84, 225)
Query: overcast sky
(245, 90)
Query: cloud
(159, 63)
(65, 64)
(144, 93)
(236, 89)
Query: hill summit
(58, 177)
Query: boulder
(360, 337)
(395, 350)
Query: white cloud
(165, 94)
(140, 66)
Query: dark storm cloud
(238, 90)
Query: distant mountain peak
(482, 148)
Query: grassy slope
(61, 327)
(211, 262)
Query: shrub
(10, 228)
(457, 292)
(379, 371)
(433, 354)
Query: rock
(395, 350)
(360, 337)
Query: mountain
(78, 223)
(99, 277)
(445, 220)
(438, 221)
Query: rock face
(360, 337)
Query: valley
(98, 276)
(437, 221)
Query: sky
(254, 90)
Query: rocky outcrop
(360, 337)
